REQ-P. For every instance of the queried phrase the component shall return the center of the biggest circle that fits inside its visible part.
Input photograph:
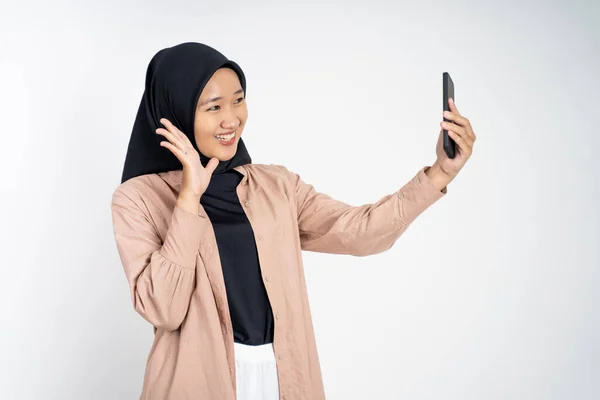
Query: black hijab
(175, 79)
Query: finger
(465, 148)
(471, 132)
(179, 153)
(471, 135)
(468, 128)
(449, 126)
(453, 106)
(172, 128)
(171, 137)
(462, 133)
(456, 118)
(463, 122)
(212, 165)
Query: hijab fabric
(175, 79)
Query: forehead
(223, 79)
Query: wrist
(189, 202)
(189, 195)
(438, 177)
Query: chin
(226, 154)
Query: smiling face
(221, 115)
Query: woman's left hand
(459, 128)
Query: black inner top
(251, 313)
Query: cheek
(242, 114)
(204, 129)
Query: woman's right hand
(195, 177)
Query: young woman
(211, 243)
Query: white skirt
(256, 372)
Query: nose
(230, 122)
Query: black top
(251, 313)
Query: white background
(492, 293)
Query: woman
(211, 243)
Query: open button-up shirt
(172, 265)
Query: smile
(226, 138)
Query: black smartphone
(448, 89)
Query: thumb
(212, 165)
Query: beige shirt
(172, 264)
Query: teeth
(226, 137)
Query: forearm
(161, 273)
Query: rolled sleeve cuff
(419, 193)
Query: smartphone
(448, 92)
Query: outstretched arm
(330, 226)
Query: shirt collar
(174, 178)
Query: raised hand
(195, 176)
(459, 128)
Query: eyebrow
(239, 91)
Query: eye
(213, 108)
(238, 101)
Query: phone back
(448, 90)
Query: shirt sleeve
(330, 226)
(161, 275)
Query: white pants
(256, 372)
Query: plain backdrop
(492, 293)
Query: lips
(225, 136)
(226, 139)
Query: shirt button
(247, 203)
